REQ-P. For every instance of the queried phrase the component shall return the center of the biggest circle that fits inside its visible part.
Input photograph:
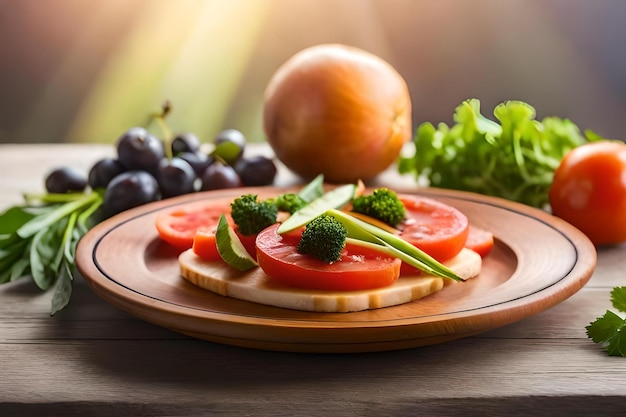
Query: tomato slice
(358, 268)
(434, 227)
(248, 241)
(179, 225)
(205, 244)
(479, 240)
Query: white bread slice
(255, 286)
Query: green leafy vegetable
(610, 329)
(39, 239)
(513, 159)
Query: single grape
(256, 170)
(103, 171)
(218, 176)
(65, 180)
(229, 145)
(138, 150)
(130, 189)
(199, 161)
(185, 142)
(175, 177)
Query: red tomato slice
(205, 245)
(479, 240)
(358, 269)
(248, 241)
(179, 225)
(434, 227)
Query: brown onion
(338, 111)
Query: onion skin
(338, 111)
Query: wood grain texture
(584, 406)
(94, 359)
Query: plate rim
(143, 304)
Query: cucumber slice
(231, 249)
(333, 199)
(313, 190)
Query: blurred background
(87, 70)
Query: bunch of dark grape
(144, 171)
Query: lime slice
(333, 199)
(231, 249)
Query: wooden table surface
(93, 359)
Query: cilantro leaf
(603, 329)
(610, 329)
(618, 298)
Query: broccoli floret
(251, 215)
(323, 238)
(289, 202)
(383, 204)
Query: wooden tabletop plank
(24, 315)
(179, 371)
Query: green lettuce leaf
(512, 157)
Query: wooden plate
(537, 262)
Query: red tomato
(205, 245)
(434, 227)
(248, 241)
(358, 269)
(479, 240)
(589, 191)
(179, 225)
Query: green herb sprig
(514, 157)
(39, 239)
(610, 329)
